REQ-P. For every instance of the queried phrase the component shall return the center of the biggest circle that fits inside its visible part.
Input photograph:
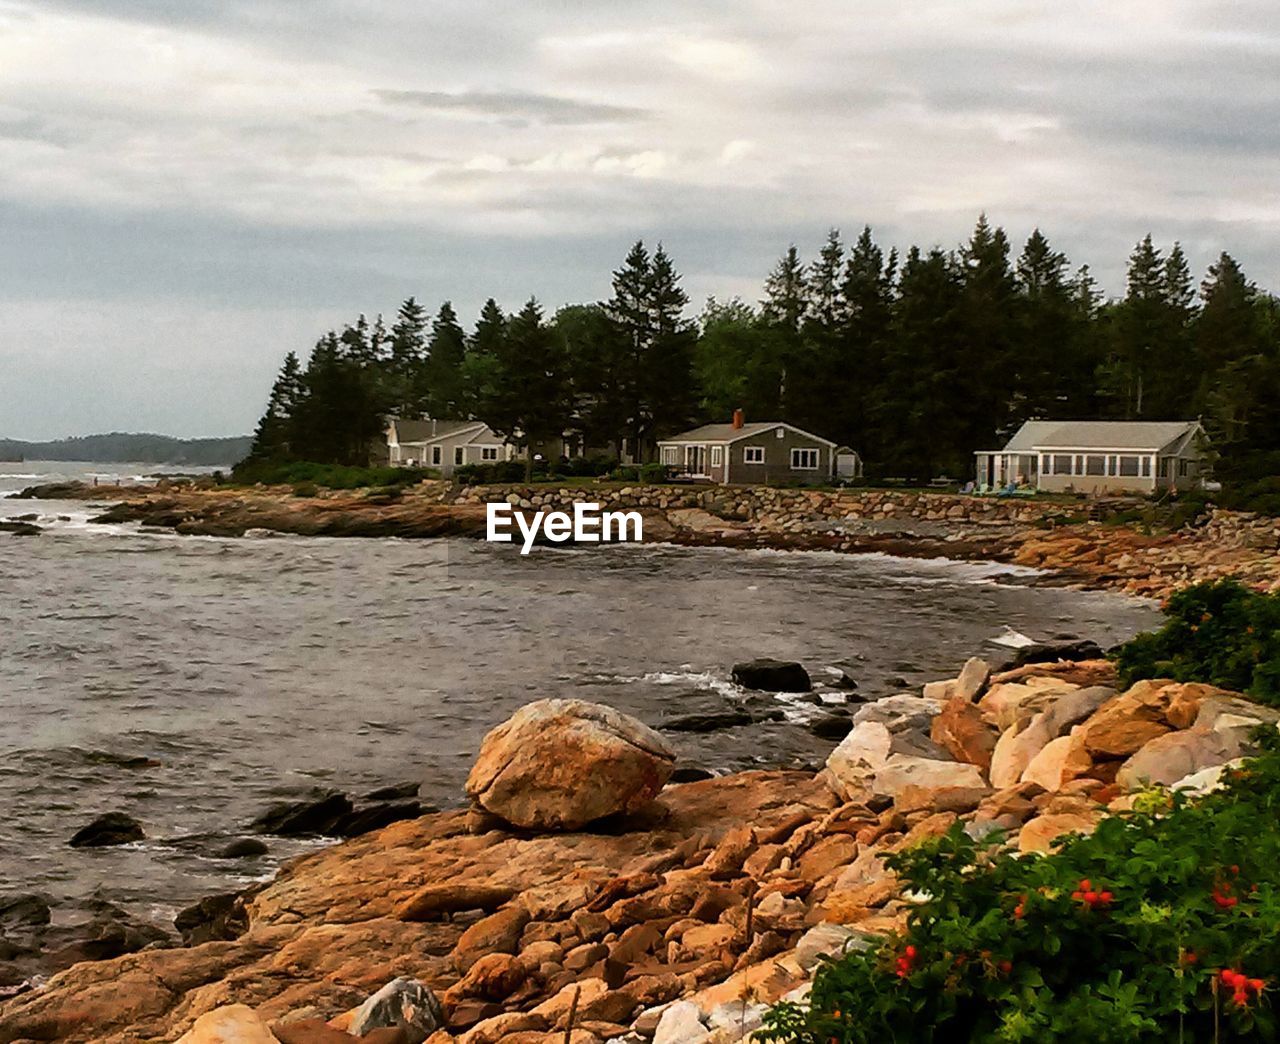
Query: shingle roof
(430, 430)
(1117, 435)
(728, 433)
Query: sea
(192, 682)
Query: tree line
(914, 360)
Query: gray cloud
(188, 190)
(518, 108)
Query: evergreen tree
(665, 378)
(272, 437)
(858, 368)
(528, 401)
(596, 352)
(443, 387)
(783, 310)
(408, 354)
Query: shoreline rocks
(683, 920)
(1051, 536)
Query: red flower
(1089, 898)
(1006, 967)
(1240, 985)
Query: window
(1046, 467)
(1095, 465)
(1184, 467)
(670, 454)
(488, 452)
(435, 455)
(1062, 464)
(458, 454)
(1129, 467)
(1146, 467)
(781, 433)
(804, 460)
(717, 456)
(753, 455)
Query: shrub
(329, 476)
(1161, 925)
(496, 473)
(653, 474)
(1221, 633)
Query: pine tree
(783, 310)
(666, 376)
(442, 380)
(271, 438)
(408, 354)
(528, 400)
(858, 369)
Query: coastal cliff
(678, 917)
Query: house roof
(728, 433)
(424, 431)
(1151, 436)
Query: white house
(1097, 457)
(444, 444)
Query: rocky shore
(1052, 536)
(585, 897)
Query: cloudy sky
(190, 188)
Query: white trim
(817, 458)
(437, 456)
(486, 448)
(748, 449)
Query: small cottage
(444, 444)
(763, 452)
(1097, 457)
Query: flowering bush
(1163, 925)
(1221, 633)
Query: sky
(188, 190)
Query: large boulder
(1126, 723)
(1016, 748)
(904, 770)
(960, 730)
(1059, 762)
(1170, 758)
(561, 764)
(772, 676)
(1015, 703)
(974, 677)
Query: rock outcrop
(683, 924)
(561, 764)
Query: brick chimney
(738, 419)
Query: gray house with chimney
(762, 452)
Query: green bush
(328, 476)
(653, 474)
(1221, 633)
(1162, 925)
(497, 473)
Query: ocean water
(235, 673)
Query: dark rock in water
(690, 774)
(772, 676)
(831, 726)
(23, 911)
(214, 918)
(404, 1003)
(114, 828)
(708, 722)
(374, 817)
(313, 818)
(897, 683)
(396, 792)
(244, 848)
(843, 681)
(1049, 652)
(20, 528)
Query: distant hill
(120, 447)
